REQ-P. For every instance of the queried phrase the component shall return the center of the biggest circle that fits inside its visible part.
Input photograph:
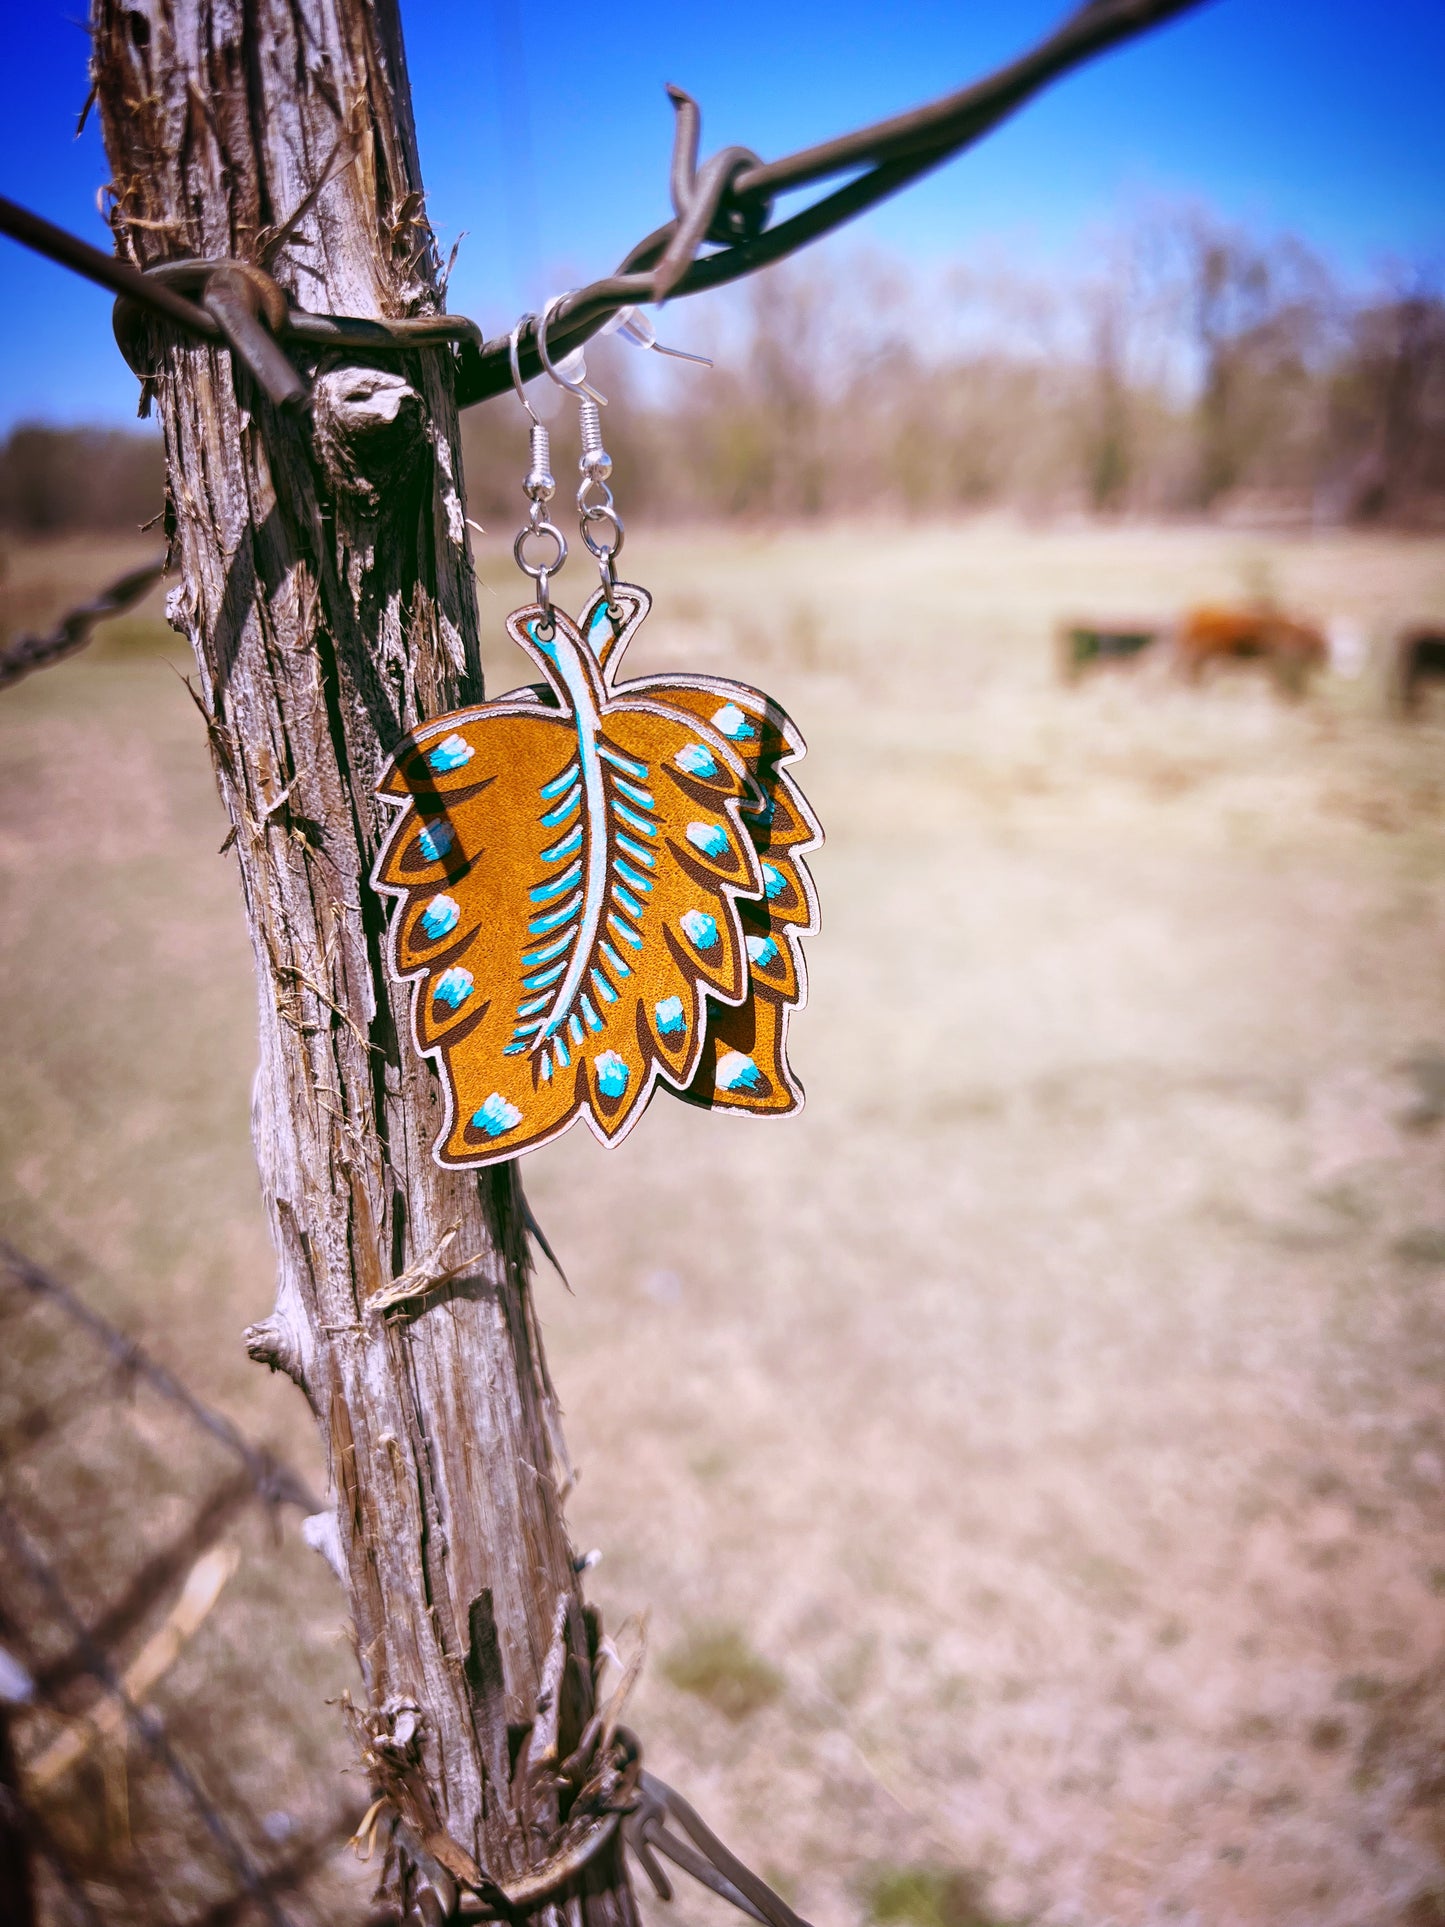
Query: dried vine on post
(326, 590)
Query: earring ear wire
(514, 356)
(538, 485)
(581, 386)
(602, 527)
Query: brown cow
(1419, 658)
(1086, 645)
(1288, 649)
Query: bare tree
(1258, 314)
(1390, 405)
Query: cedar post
(326, 589)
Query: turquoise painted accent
(603, 988)
(574, 1028)
(696, 759)
(546, 953)
(497, 1116)
(700, 929)
(546, 1068)
(644, 799)
(560, 1053)
(639, 823)
(638, 850)
(564, 811)
(565, 913)
(762, 951)
(612, 1073)
(526, 1030)
(710, 838)
(624, 763)
(441, 915)
(761, 813)
(554, 886)
(626, 899)
(534, 1004)
(589, 1011)
(558, 784)
(544, 978)
(435, 838)
(738, 1073)
(734, 724)
(599, 627)
(453, 987)
(572, 841)
(516, 1050)
(624, 930)
(622, 969)
(629, 875)
(670, 1016)
(451, 754)
(774, 882)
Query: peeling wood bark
(327, 591)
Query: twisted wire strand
(727, 200)
(26, 652)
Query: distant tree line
(1196, 368)
(53, 479)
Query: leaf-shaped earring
(599, 885)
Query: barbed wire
(728, 201)
(273, 1480)
(26, 652)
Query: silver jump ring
(599, 512)
(604, 500)
(537, 570)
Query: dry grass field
(1033, 1457)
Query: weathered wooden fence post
(326, 589)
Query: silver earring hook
(582, 388)
(514, 355)
(538, 486)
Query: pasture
(1032, 1458)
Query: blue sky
(545, 135)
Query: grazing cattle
(1288, 649)
(1419, 659)
(1082, 646)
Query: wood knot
(370, 432)
(273, 1342)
